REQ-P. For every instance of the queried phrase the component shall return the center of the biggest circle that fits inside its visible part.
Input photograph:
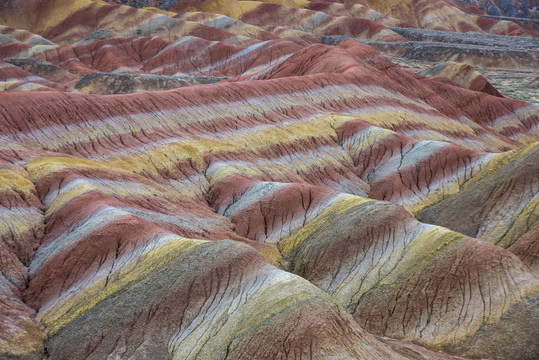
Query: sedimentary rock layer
(284, 198)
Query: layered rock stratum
(259, 180)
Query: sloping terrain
(521, 84)
(511, 8)
(485, 50)
(464, 75)
(248, 180)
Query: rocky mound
(463, 75)
(108, 84)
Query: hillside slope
(221, 183)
